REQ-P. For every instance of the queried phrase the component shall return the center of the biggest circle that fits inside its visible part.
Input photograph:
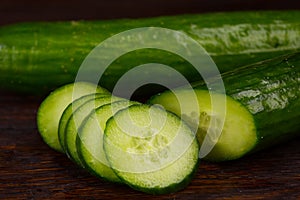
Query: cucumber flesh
(270, 92)
(51, 109)
(76, 120)
(230, 139)
(150, 149)
(90, 140)
(68, 112)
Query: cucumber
(51, 109)
(38, 57)
(76, 120)
(262, 107)
(68, 112)
(150, 149)
(90, 140)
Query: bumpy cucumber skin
(38, 57)
(272, 95)
(270, 91)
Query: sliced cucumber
(90, 140)
(263, 106)
(68, 112)
(51, 109)
(151, 149)
(75, 121)
(235, 126)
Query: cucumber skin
(82, 149)
(55, 103)
(66, 115)
(171, 188)
(257, 87)
(38, 57)
(277, 123)
(264, 83)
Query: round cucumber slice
(236, 125)
(151, 149)
(51, 109)
(90, 140)
(76, 120)
(68, 112)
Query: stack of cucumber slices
(118, 140)
(152, 149)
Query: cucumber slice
(237, 134)
(90, 140)
(151, 149)
(68, 112)
(263, 106)
(51, 109)
(75, 121)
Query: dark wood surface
(12, 11)
(31, 170)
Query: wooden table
(12, 11)
(29, 169)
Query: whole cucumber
(37, 57)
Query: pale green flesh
(237, 136)
(90, 140)
(150, 148)
(77, 118)
(52, 107)
(68, 112)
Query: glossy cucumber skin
(38, 57)
(270, 90)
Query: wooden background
(31, 170)
(36, 10)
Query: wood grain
(31, 170)
(12, 11)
